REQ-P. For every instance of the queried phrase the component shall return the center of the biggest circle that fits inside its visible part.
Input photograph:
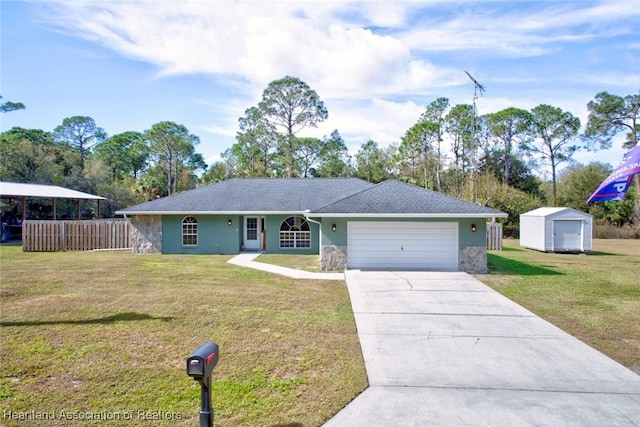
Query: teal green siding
(466, 237)
(215, 235)
(470, 238)
(272, 228)
(338, 237)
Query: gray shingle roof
(321, 196)
(256, 195)
(395, 197)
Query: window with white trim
(295, 233)
(189, 231)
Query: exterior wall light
(333, 227)
(229, 222)
(473, 228)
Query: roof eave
(409, 215)
(129, 213)
(323, 215)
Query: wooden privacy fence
(41, 236)
(494, 236)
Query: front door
(252, 233)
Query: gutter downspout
(306, 216)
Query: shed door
(567, 235)
(393, 245)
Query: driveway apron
(443, 349)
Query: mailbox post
(200, 364)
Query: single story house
(349, 222)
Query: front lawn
(594, 297)
(105, 335)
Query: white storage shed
(556, 230)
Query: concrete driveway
(443, 349)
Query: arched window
(189, 231)
(295, 233)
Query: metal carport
(22, 192)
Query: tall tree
(124, 153)
(37, 136)
(371, 163)
(509, 128)
(9, 106)
(309, 151)
(334, 160)
(172, 147)
(577, 182)
(421, 144)
(418, 153)
(81, 133)
(459, 126)
(290, 105)
(255, 152)
(520, 175)
(553, 134)
(610, 115)
(435, 114)
(219, 171)
(31, 156)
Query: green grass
(595, 297)
(108, 333)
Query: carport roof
(15, 190)
(394, 197)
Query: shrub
(610, 231)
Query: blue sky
(376, 65)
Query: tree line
(495, 159)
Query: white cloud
(368, 61)
(381, 120)
(520, 32)
(327, 44)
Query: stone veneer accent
(146, 235)
(473, 259)
(333, 257)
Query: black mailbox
(202, 361)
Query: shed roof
(394, 197)
(547, 211)
(14, 189)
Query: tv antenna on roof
(478, 88)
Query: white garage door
(414, 245)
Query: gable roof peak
(400, 198)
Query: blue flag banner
(617, 184)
